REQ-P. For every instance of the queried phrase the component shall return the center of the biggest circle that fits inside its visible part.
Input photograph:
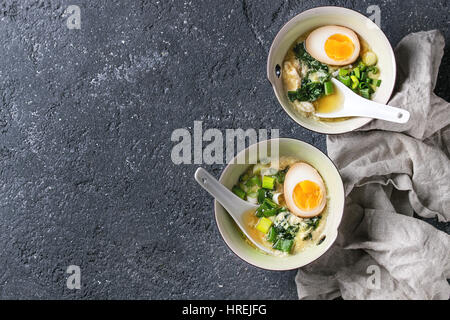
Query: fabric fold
(390, 172)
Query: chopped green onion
(267, 208)
(272, 235)
(355, 82)
(270, 203)
(343, 72)
(357, 73)
(365, 93)
(239, 192)
(362, 66)
(268, 182)
(345, 80)
(363, 76)
(373, 69)
(253, 195)
(253, 181)
(369, 58)
(363, 85)
(263, 211)
(328, 88)
(376, 82)
(261, 195)
(264, 225)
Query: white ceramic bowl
(312, 19)
(304, 152)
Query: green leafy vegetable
(313, 222)
(262, 194)
(253, 181)
(310, 90)
(281, 175)
(272, 235)
(303, 55)
(284, 245)
(239, 192)
(267, 209)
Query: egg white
(315, 44)
(297, 173)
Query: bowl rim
(341, 210)
(317, 10)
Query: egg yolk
(339, 47)
(307, 195)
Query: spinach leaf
(303, 55)
(313, 222)
(310, 90)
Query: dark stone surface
(85, 123)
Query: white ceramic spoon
(357, 106)
(235, 206)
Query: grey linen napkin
(391, 171)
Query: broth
(331, 103)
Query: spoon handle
(232, 203)
(383, 112)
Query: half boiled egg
(333, 45)
(304, 191)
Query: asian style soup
(292, 198)
(315, 57)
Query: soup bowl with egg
(324, 43)
(300, 199)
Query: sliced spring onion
(357, 73)
(268, 182)
(328, 86)
(363, 76)
(266, 212)
(362, 66)
(253, 181)
(264, 225)
(345, 80)
(376, 82)
(276, 197)
(343, 72)
(252, 197)
(270, 203)
(363, 85)
(258, 167)
(355, 82)
(239, 192)
(261, 195)
(272, 235)
(365, 93)
(373, 69)
(369, 58)
(267, 208)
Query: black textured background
(85, 123)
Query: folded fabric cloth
(391, 171)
